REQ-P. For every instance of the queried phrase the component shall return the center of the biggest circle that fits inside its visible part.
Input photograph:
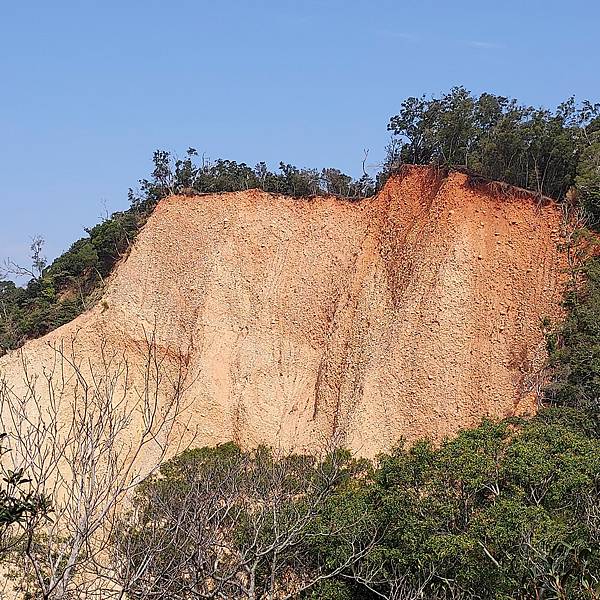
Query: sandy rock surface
(413, 313)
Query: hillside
(415, 312)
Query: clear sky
(89, 89)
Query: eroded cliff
(413, 313)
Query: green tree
(575, 348)
(18, 504)
(506, 510)
(496, 137)
(588, 168)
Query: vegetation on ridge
(59, 292)
(574, 346)
(547, 152)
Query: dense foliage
(507, 510)
(545, 151)
(574, 347)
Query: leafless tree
(227, 524)
(86, 434)
(385, 579)
(38, 262)
(388, 581)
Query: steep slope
(416, 312)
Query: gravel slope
(416, 312)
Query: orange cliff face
(413, 313)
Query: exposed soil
(413, 313)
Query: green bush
(545, 151)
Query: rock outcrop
(413, 313)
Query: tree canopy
(546, 151)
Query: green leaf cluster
(541, 150)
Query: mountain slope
(415, 312)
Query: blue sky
(89, 89)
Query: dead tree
(86, 433)
(227, 524)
